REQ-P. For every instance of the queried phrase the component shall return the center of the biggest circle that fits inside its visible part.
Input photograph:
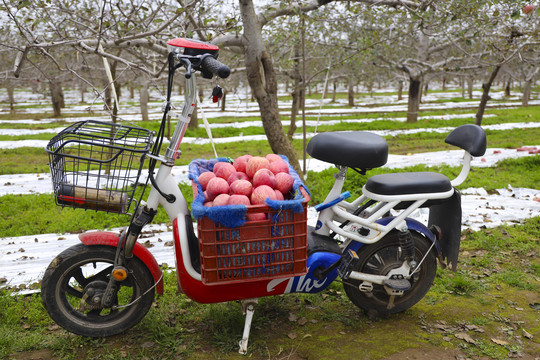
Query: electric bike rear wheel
(379, 259)
(74, 282)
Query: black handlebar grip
(216, 67)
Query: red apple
(224, 170)
(221, 200)
(208, 204)
(279, 166)
(204, 178)
(264, 177)
(279, 195)
(256, 163)
(240, 162)
(238, 175)
(241, 187)
(284, 182)
(239, 200)
(256, 217)
(261, 193)
(216, 186)
(528, 9)
(273, 157)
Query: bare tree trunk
(485, 95)
(224, 100)
(82, 90)
(297, 92)
(526, 93)
(194, 121)
(262, 80)
(56, 97)
(334, 93)
(462, 86)
(369, 87)
(61, 95)
(400, 90)
(351, 93)
(424, 92)
(527, 87)
(143, 100)
(470, 83)
(507, 88)
(35, 86)
(201, 94)
(415, 90)
(107, 97)
(444, 84)
(10, 91)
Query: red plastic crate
(258, 250)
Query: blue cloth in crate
(233, 216)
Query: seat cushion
(408, 183)
(354, 149)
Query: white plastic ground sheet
(24, 259)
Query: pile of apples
(249, 180)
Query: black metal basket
(96, 165)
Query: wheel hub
(92, 295)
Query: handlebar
(207, 64)
(216, 67)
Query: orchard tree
(259, 64)
(507, 30)
(130, 32)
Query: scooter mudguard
(111, 239)
(412, 224)
(447, 216)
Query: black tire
(80, 268)
(379, 259)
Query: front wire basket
(96, 165)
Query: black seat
(408, 183)
(354, 149)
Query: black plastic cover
(447, 216)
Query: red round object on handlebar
(192, 44)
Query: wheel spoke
(74, 292)
(94, 313)
(102, 275)
(379, 259)
(78, 275)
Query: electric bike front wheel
(74, 282)
(379, 259)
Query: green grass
(34, 160)
(37, 214)
(178, 327)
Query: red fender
(111, 239)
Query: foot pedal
(397, 282)
(348, 262)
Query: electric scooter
(387, 261)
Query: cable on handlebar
(159, 137)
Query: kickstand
(248, 308)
